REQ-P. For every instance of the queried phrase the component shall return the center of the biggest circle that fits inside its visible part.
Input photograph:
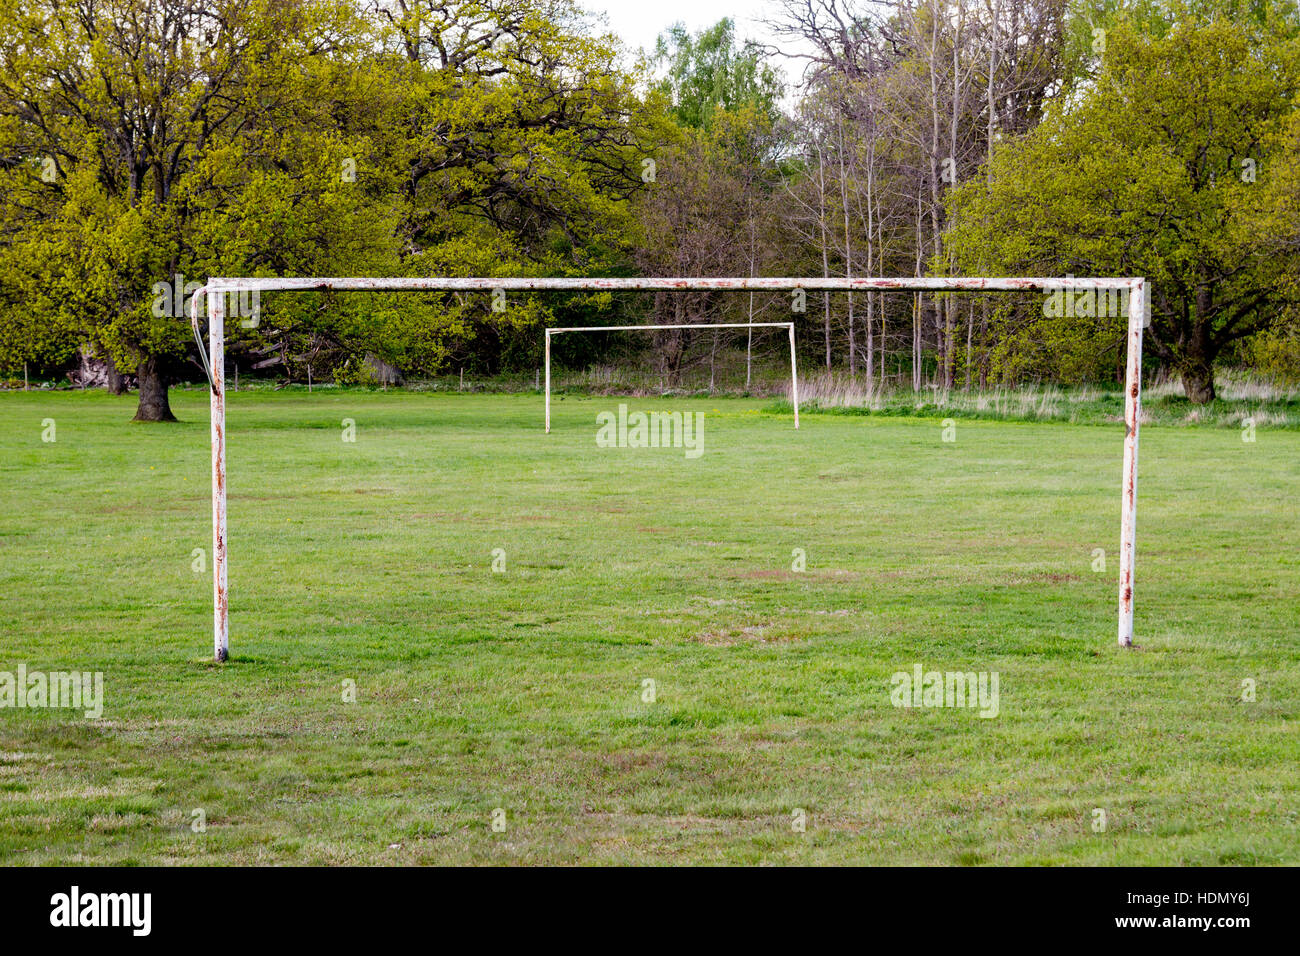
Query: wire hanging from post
(198, 336)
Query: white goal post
(214, 362)
(794, 369)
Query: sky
(639, 22)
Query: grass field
(524, 690)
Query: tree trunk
(113, 381)
(1198, 381)
(154, 406)
(848, 247)
(826, 266)
(970, 337)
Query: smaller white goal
(794, 371)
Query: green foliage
(508, 146)
(327, 137)
(236, 174)
(355, 371)
(1168, 165)
(1276, 354)
(303, 138)
(707, 72)
(1088, 23)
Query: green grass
(370, 562)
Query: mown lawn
(524, 690)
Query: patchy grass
(526, 690)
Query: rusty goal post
(1132, 289)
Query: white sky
(639, 22)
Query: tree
(705, 211)
(1166, 166)
(901, 102)
(178, 138)
(708, 72)
(512, 146)
(258, 137)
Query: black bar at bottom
(332, 906)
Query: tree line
(145, 144)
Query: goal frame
(216, 289)
(558, 330)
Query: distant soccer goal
(794, 369)
(1133, 289)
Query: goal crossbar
(794, 369)
(663, 284)
(216, 287)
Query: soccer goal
(1133, 290)
(794, 369)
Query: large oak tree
(1168, 164)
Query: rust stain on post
(1128, 483)
(701, 283)
(220, 581)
